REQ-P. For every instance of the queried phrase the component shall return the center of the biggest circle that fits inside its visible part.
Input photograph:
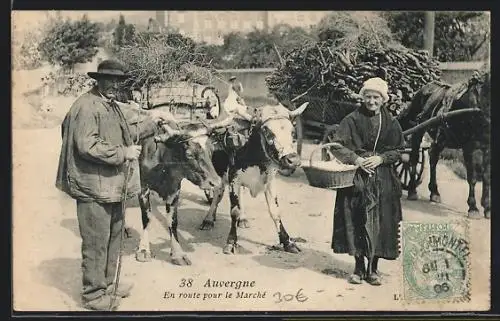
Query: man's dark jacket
(92, 163)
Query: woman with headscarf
(367, 215)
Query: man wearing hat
(367, 215)
(97, 143)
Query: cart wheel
(207, 105)
(421, 165)
(403, 169)
(299, 139)
(328, 138)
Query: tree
(119, 32)
(129, 34)
(233, 47)
(260, 50)
(110, 26)
(25, 54)
(458, 35)
(67, 43)
(289, 37)
(212, 54)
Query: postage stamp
(435, 261)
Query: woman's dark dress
(369, 212)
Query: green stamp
(436, 261)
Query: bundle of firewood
(338, 75)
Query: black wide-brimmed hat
(109, 68)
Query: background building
(210, 26)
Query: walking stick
(118, 269)
(123, 203)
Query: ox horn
(298, 111)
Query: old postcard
(250, 161)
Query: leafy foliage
(213, 54)
(25, 51)
(69, 85)
(124, 34)
(67, 42)
(458, 35)
(256, 48)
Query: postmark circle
(435, 272)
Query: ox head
(275, 124)
(189, 149)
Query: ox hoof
(207, 225)
(231, 248)
(181, 260)
(243, 223)
(143, 256)
(292, 248)
(487, 214)
(435, 198)
(474, 214)
(412, 196)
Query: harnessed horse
(470, 132)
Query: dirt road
(46, 250)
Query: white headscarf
(376, 84)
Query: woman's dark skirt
(349, 233)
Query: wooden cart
(187, 101)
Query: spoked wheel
(212, 93)
(403, 168)
(328, 138)
(298, 136)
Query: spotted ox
(253, 167)
(165, 161)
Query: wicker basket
(329, 179)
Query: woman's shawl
(355, 133)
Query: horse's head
(275, 126)
(478, 93)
